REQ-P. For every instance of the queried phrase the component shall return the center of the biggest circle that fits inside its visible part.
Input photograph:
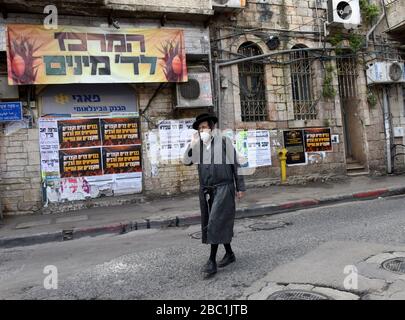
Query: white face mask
(205, 136)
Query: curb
(252, 211)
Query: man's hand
(240, 194)
(195, 139)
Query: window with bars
(347, 76)
(252, 85)
(301, 84)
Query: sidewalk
(184, 210)
(327, 278)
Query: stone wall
(173, 177)
(169, 5)
(20, 188)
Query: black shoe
(209, 268)
(227, 259)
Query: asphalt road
(165, 264)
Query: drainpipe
(319, 23)
(375, 26)
(210, 65)
(218, 90)
(387, 128)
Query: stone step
(356, 174)
(354, 166)
(351, 160)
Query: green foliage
(369, 11)
(355, 42)
(336, 39)
(372, 99)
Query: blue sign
(11, 111)
(85, 99)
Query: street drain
(297, 295)
(196, 235)
(268, 225)
(67, 235)
(396, 265)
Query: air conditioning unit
(224, 5)
(196, 92)
(344, 12)
(385, 72)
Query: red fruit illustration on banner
(18, 65)
(173, 64)
(23, 60)
(177, 65)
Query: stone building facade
(216, 37)
(22, 190)
(276, 27)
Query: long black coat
(218, 170)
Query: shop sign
(71, 54)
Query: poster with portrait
(294, 143)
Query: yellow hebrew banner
(69, 54)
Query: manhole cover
(396, 265)
(196, 235)
(267, 225)
(297, 295)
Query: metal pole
(387, 127)
(210, 64)
(375, 26)
(218, 90)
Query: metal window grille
(301, 83)
(388, 3)
(251, 84)
(347, 75)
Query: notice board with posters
(92, 154)
(294, 143)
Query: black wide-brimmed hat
(204, 117)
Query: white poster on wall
(164, 131)
(50, 161)
(174, 136)
(48, 132)
(254, 145)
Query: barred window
(251, 84)
(347, 76)
(301, 83)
